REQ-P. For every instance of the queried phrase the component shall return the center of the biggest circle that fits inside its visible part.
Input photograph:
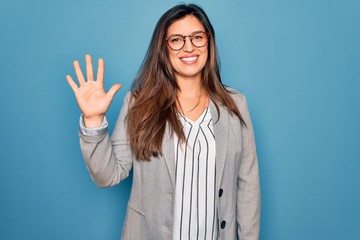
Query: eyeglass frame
(190, 37)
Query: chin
(189, 71)
(188, 74)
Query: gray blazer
(151, 205)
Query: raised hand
(90, 95)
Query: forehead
(185, 26)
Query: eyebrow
(186, 34)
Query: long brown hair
(154, 90)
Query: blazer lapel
(221, 132)
(169, 154)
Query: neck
(192, 98)
(190, 88)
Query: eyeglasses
(177, 41)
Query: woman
(188, 138)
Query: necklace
(202, 102)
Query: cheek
(172, 58)
(206, 54)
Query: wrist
(93, 122)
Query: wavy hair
(154, 90)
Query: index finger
(100, 71)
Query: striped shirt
(195, 215)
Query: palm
(92, 99)
(90, 95)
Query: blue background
(298, 63)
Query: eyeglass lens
(177, 42)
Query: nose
(188, 46)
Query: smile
(189, 60)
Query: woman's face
(190, 60)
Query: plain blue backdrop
(297, 61)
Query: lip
(189, 59)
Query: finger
(71, 83)
(89, 68)
(113, 90)
(100, 71)
(78, 72)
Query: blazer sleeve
(108, 160)
(248, 183)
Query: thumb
(114, 89)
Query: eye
(175, 39)
(198, 36)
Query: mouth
(189, 59)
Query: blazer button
(221, 192)
(223, 224)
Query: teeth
(189, 59)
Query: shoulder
(128, 99)
(237, 96)
(127, 96)
(240, 101)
